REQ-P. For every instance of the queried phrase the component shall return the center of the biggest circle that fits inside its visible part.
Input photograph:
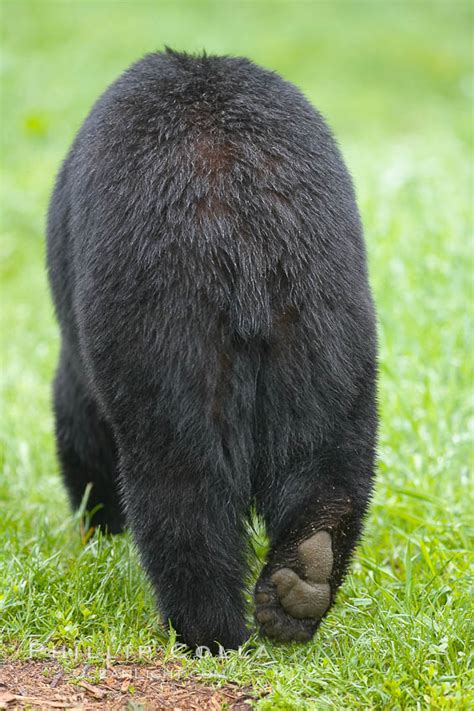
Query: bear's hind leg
(314, 513)
(86, 447)
(189, 526)
(305, 568)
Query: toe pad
(299, 598)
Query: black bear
(218, 352)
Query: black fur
(218, 336)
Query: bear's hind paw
(290, 605)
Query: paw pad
(309, 597)
(290, 608)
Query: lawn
(394, 80)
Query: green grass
(395, 81)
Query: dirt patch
(46, 685)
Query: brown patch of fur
(211, 207)
(285, 320)
(212, 156)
